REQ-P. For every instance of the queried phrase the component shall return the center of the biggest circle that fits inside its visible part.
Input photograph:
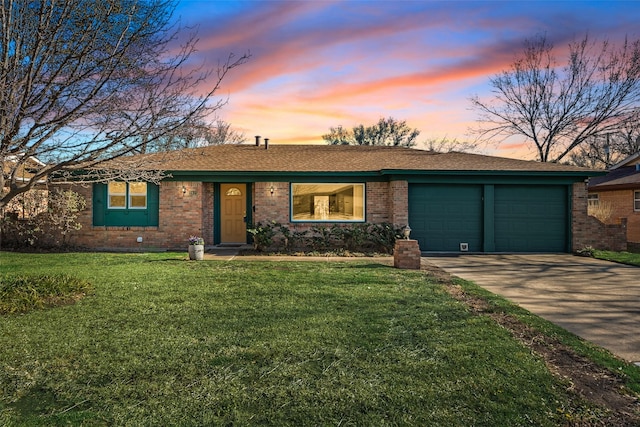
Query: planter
(196, 252)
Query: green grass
(19, 294)
(621, 257)
(602, 357)
(163, 341)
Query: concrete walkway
(596, 300)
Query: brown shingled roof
(333, 158)
(617, 179)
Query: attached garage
(531, 218)
(443, 216)
(490, 217)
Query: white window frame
(319, 217)
(132, 194)
(636, 201)
(110, 194)
(128, 195)
(593, 199)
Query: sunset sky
(317, 64)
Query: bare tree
(387, 131)
(604, 151)
(445, 145)
(223, 133)
(83, 82)
(559, 107)
(198, 134)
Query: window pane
(117, 201)
(234, 192)
(138, 188)
(138, 202)
(137, 195)
(636, 200)
(327, 202)
(117, 195)
(117, 187)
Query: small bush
(19, 294)
(364, 238)
(603, 210)
(587, 251)
(263, 235)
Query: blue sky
(317, 64)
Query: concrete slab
(596, 300)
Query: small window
(233, 191)
(636, 200)
(593, 200)
(138, 195)
(327, 202)
(117, 195)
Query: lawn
(164, 341)
(621, 257)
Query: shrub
(587, 251)
(603, 210)
(263, 235)
(361, 237)
(44, 228)
(19, 294)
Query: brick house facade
(615, 198)
(386, 203)
(190, 201)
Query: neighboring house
(33, 202)
(452, 201)
(617, 195)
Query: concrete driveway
(596, 300)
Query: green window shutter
(153, 204)
(99, 203)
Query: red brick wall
(589, 231)
(399, 202)
(406, 254)
(377, 201)
(180, 216)
(271, 207)
(622, 207)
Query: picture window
(328, 202)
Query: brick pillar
(406, 254)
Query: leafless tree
(560, 107)
(223, 133)
(446, 145)
(604, 151)
(387, 131)
(83, 82)
(198, 134)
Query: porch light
(271, 190)
(406, 231)
(184, 190)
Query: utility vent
(464, 247)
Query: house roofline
(625, 161)
(629, 186)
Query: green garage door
(443, 216)
(530, 218)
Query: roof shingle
(332, 158)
